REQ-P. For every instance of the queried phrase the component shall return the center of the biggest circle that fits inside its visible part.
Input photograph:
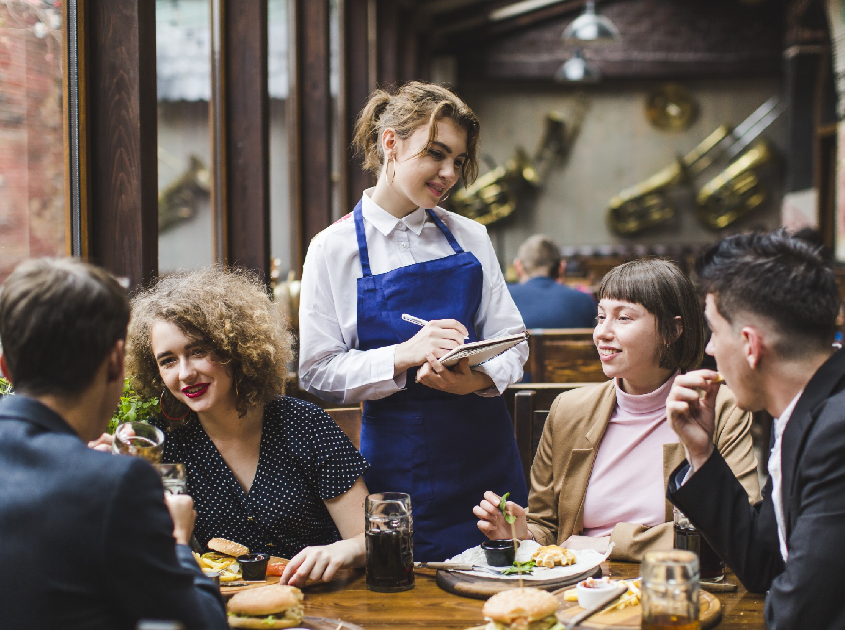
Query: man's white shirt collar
(384, 222)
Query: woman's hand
(438, 337)
(459, 380)
(103, 443)
(491, 521)
(321, 563)
(580, 542)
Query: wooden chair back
(529, 404)
(349, 420)
(563, 356)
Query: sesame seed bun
(225, 546)
(249, 609)
(263, 601)
(527, 603)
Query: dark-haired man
(771, 302)
(543, 302)
(88, 537)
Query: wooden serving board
(335, 624)
(709, 614)
(227, 592)
(462, 584)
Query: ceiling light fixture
(577, 69)
(589, 27)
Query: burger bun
(526, 603)
(249, 609)
(224, 546)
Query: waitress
(442, 435)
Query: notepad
(480, 352)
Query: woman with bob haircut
(273, 473)
(442, 435)
(600, 473)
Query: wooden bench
(349, 420)
(563, 356)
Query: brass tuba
(735, 191)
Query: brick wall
(32, 218)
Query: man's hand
(460, 379)
(184, 516)
(491, 521)
(438, 337)
(691, 410)
(103, 443)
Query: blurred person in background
(92, 541)
(543, 301)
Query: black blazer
(805, 592)
(85, 537)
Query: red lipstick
(196, 390)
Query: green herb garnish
(503, 507)
(5, 387)
(521, 567)
(132, 408)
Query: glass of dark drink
(687, 537)
(670, 590)
(390, 542)
(139, 439)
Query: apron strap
(449, 236)
(363, 253)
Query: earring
(161, 405)
(387, 169)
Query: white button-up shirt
(330, 364)
(776, 472)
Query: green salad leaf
(5, 387)
(521, 567)
(503, 503)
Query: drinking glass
(390, 542)
(670, 590)
(139, 439)
(174, 478)
(687, 537)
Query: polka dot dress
(304, 458)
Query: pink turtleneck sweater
(626, 484)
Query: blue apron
(443, 449)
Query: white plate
(586, 560)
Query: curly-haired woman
(273, 473)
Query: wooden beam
(309, 123)
(123, 232)
(388, 47)
(355, 87)
(75, 127)
(247, 134)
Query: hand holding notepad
(478, 352)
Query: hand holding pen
(437, 337)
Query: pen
(419, 321)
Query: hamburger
(229, 548)
(523, 608)
(270, 607)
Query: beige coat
(568, 448)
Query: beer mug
(670, 590)
(687, 537)
(389, 539)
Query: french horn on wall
(734, 191)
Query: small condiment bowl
(254, 566)
(499, 552)
(591, 591)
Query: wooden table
(429, 607)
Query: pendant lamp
(590, 27)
